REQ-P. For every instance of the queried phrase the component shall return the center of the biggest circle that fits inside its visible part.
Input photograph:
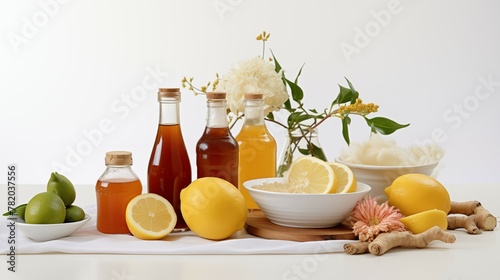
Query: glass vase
(299, 143)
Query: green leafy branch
(347, 95)
(302, 122)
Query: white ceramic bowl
(46, 232)
(304, 210)
(380, 177)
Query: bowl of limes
(51, 214)
(46, 232)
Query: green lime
(18, 211)
(63, 187)
(74, 214)
(45, 208)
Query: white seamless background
(79, 78)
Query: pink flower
(370, 219)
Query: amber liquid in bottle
(257, 147)
(112, 199)
(217, 151)
(115, 188)
(169, 169)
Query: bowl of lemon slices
(313, 194)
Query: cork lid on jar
(216, 95)
(169, 93)
(253, 96)
(118, 158)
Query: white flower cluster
(253, 75)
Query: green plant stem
(324, 118)
(278, 123)
(263, 48)
(332, 114)
(236, 120)
(194, 89)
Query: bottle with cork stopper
(217, 151)
(256, 145)
(169, 168)
(114, 190)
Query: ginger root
(356, 248)
(386, 241)
(474, 217)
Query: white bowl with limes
(46, 232)
(304, 210)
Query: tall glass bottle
(114, 190)
(217, 150)
(169, 169)
(257, 146)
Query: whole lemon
(213, 208)
(45, 208)
(415, 193)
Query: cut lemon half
(420, 222)
(311, 175)
(150, 216)
(346, 182)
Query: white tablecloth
(88, 240)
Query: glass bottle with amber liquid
(217, 150)
(257, 146)
(114, 190)
(169, 169)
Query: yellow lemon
(425, 220)
(346, 182)
(213, 208)
(311, 175)
(150, 216)
(415, 193)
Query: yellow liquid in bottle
(257, 157)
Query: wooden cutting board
(257, 224)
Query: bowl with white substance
(379, 161)
(303, 210)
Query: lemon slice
(150, 216)
(346, 182)
(311, 175)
